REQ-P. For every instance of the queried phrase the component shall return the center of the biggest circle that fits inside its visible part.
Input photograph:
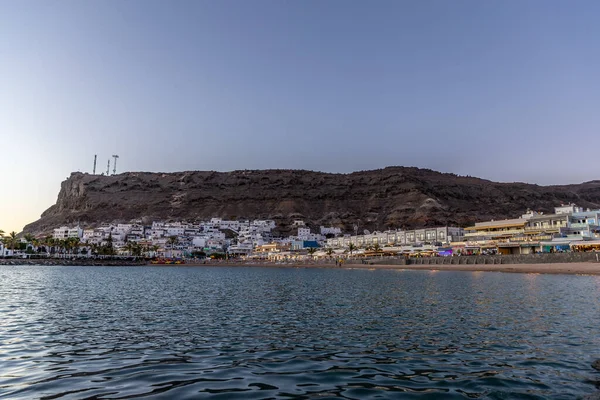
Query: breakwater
(544, 258)
(72, 261)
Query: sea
(160, 332)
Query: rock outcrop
(394, 197)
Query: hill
(393, 197)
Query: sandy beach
(558, 268)
(584, 268)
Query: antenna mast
(95, 157)
(108, 167)
(115, 164)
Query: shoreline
(575, 268)
(569, 268)
(583, 268)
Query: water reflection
(268, 333)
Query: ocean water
(268, 333)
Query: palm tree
(35, 244)
(74, 243)
(172, 241)
(29, 238)
(13, 241)
(1, 235)
(109, 249)
(129, 247)
(312, 251)
(154, 248)
(47, 242)
(144, 249)
(377, 247)
(351, 248)
(62, 245)
(6, 242)
(133, 248)
(329, 251)
(137, 250)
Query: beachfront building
(504, 236)
(557, 232)
(494, 230)
(240, 249)
(272, 251)
(304, 244)
(435, 235)
(535, 232)
(584, 223)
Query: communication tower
(108, 168)
(95, 157)
(115, 164)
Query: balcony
(579, 225)
(508, 232)
(547, 228)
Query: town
(569, 228)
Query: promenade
(571, 263)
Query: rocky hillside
(394, 197)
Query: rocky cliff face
(394, 197)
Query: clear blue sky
(505, 90)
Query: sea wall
(73, 262)
(547, 258)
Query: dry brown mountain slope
(393, 197)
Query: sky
(503, 90)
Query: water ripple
(259, 333)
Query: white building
(330, 230)
(303, 233)
(174, 230)
(442, 235)
(61, 233)
(75, 232)
(567, 209)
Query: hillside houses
(568, 228)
